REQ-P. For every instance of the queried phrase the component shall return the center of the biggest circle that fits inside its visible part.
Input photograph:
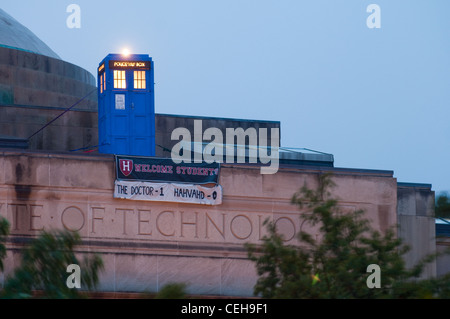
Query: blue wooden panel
(140, 126)
(121, 145)
(140, 146)
(120, 125)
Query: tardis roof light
(126, 52)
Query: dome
(16, 36)
(36, 85)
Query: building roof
(442, 227)
(16, 36)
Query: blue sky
(374, 98)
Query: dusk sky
(375, 98)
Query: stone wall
(146, 245)
(31, 79)
(416, 223)
(35, 89)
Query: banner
(165, 170)
(168, 192)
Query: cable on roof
(65, 111)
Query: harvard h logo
(126, 166)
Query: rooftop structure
(14, 35)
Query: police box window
(139, 79)
(102, 82)
(119, 79)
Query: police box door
(142, 119)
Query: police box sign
(129, 65)
(156, 169)
(168, 192)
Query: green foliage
(334, 263)
(44, 268)
(442, 206)
(4, 232)
(172, 291)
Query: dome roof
(16, 36)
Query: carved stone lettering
(72, 219)
(107, 221)
(97, 218)
(241, 227)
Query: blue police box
(126, 105)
